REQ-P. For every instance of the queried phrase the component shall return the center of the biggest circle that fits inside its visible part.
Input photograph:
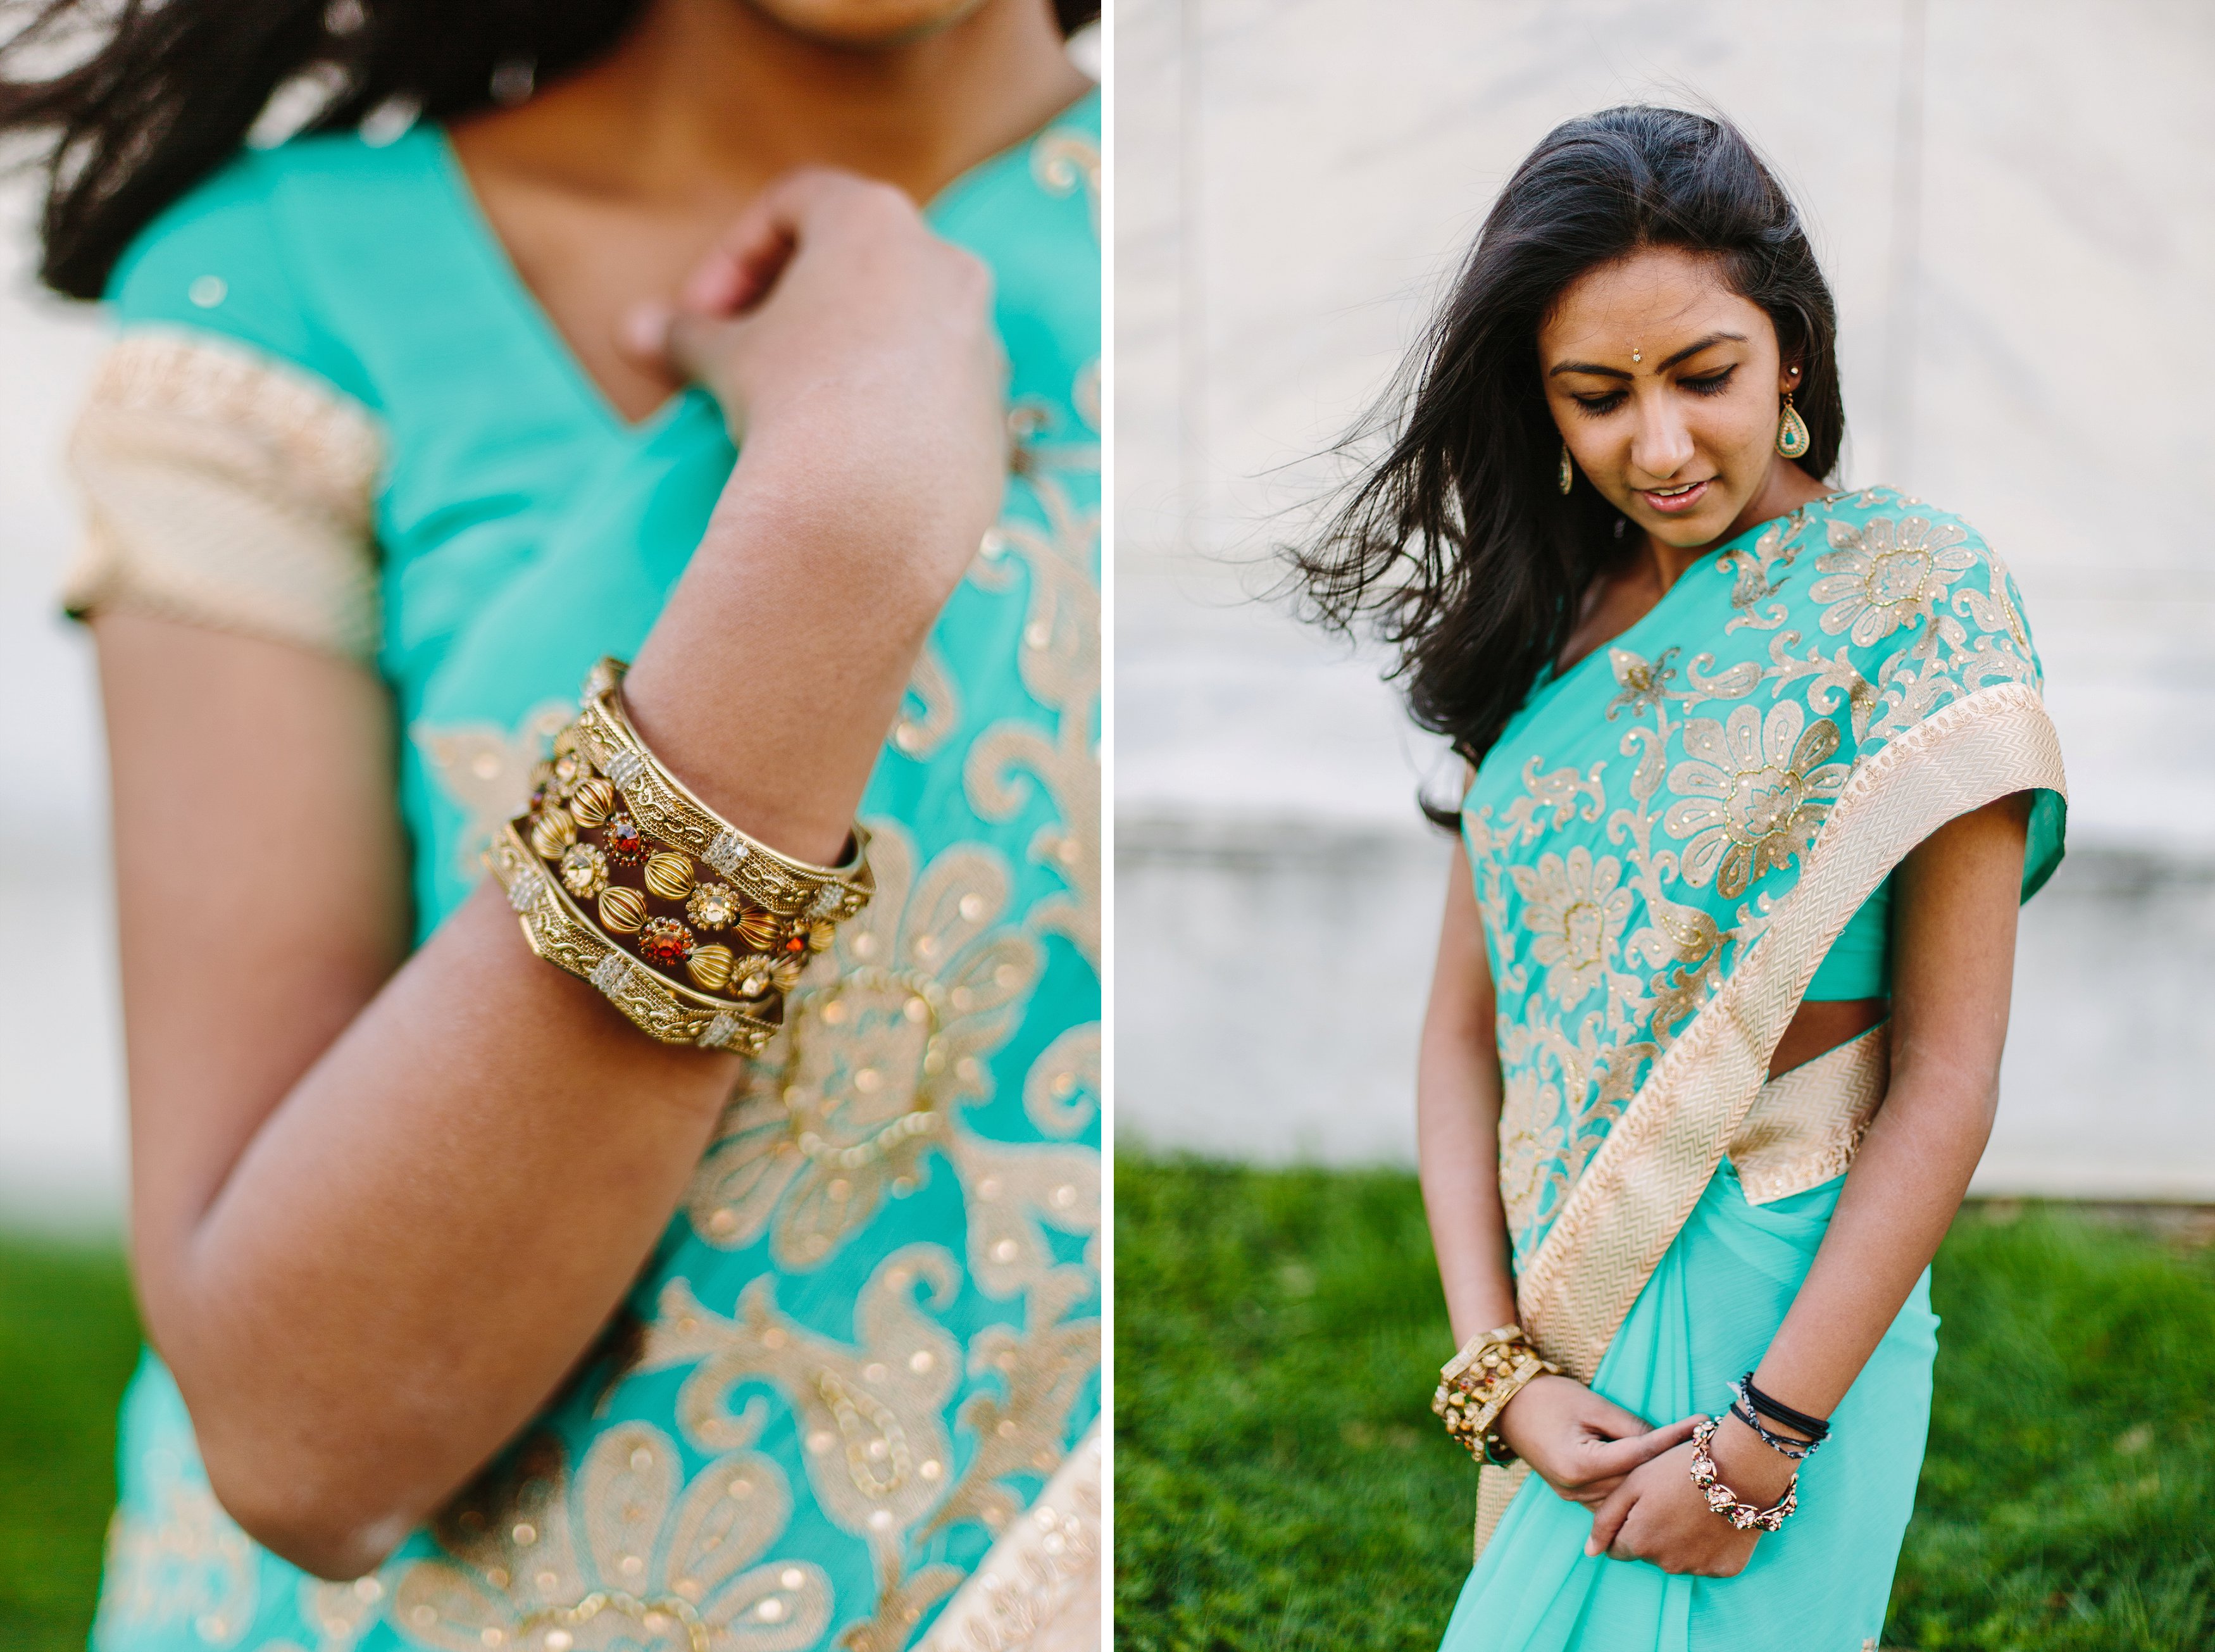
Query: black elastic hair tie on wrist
(1814, 1427)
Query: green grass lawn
(68, 1339)
(1280, 1482)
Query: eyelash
(1713, 384)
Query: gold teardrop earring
(1792, 437)
(1568, 477)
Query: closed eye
(1712, 385)
(1597, 405)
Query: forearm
(770, 681)
(1457, 1151)
(420, 1241)
(1901, 1195)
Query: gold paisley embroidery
(1020, 1429)
(1060, 668)
(183, 1562)
(1884, 576)
(485, 772)
(1642, 682)
(937, 702)
(1062, 159)
(629, 1556)
(1758, 575)
(871, 1418)
(1751, 793)
(340, 1613)
(901, 1602)
(1013, 1192)
(1061, 1093)
(889, 1033)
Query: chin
(864, 23)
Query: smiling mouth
(1679, 498)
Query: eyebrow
(1684, 354)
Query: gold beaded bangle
(562, 936)
(666, 810)
(1477, 1384)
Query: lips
(1674, 501)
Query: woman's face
(1666, 387)
(864, 23)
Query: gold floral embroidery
(887, 1033)
(1884, 575)
(1531, 1146)
(628, 1557)
(1751, 793)
(485, 772)
(184, 1561)
(1576, 910)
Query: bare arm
(1581, 1444)
(1954, 968)
(1457, 1121)
(381, 1208)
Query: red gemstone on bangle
(665, 941)
(624, 842)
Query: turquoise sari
(869, 1338)
(1668, 840)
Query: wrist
(1757, 1472)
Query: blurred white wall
(61, 1094)
(2013, 200)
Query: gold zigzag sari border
(1627, 1208)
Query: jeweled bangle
(558, 933)
(1723, 1500)
(1477, 1384)
(665, 810)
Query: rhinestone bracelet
(1723, 1500)
(1477, 1384)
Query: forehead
(1655, 300)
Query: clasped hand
(1636, 1479)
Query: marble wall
(2012, 202)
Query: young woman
(1761, 772)
(481, 1317)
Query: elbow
(307, 1508)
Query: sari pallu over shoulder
(1669, 837)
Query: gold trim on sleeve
(226, 489)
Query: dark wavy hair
(152, 95)
(1458, 545)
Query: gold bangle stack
(607, 824)
(1477, 1384)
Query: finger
(747, 258)
(1607, 1523)
(1610, 1419)
(1619, 1457)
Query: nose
(1660, 445)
